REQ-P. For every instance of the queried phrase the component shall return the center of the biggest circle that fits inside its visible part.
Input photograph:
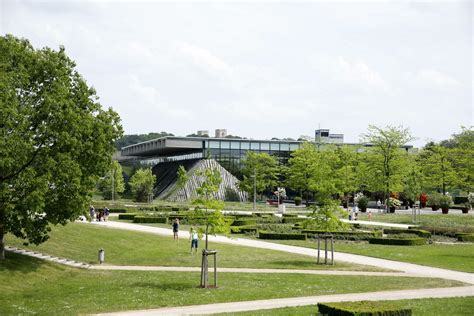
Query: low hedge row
(146, 219)
(418, 232)
(448, 231)
(127, 216)
(293, 220)
(398, 241)
(243, 229)
(465, 237)
(280, 236)
(118, 210)
(290, 215)
(343, 235)
(363, 308)
(244, 222)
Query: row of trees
(384, 166)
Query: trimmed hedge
(465, 237)
(290, 215)
(244, 222)
(293, 220)
(127, 216)
(398, 241)
(118, 210)
(448, 231)
(363, 308)
(418, 232)
(243, 229)
(343, 235)
(144, 219)
(280, 236)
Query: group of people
(193, 235)
(101, 215)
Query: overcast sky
(269, 69)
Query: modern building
(323, 136)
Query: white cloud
(203, 59)
(355, 73)
(436, 79)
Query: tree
(301, 168)
(112, 183)
(326, 217)
(437, 168)
(462, 161)
(141, 185)
(413, 180)
(55, 140)
(347, 171)
(386, 158)
(209, 208)
(264, 167)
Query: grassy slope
(459, 306)
(82, 241)
(30, 285)
(458, 257)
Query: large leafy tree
(386, 157)
(265, 169)
(141, 185)
(462, 160)
(112, 183)
(437, 167)
(55, 140)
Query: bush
(290, 215)
(146, 219)
(118, 210)
(244, 222)
(460, 199)
(127, 216)
(277, 228)
(434, 199)
(398, 241)
(363, 202)
(465, 237)
(231, 195)
(293, 220)
(445, 201)
(365, 308)
(344, 235)
(418, 232)
(281, 236)
(448, 231)
(297, 200)
(243, 229)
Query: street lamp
(254, 176)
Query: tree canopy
(112, 182)
(266, 169)
(55, 140)
(141, 185)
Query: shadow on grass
(166, 286)
(296, 263)
(19, 263)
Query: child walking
(194, 237)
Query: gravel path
(301, 301)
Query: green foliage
(127, 216)
(182, 177)
(244, 229)
(398, 241)
(244, 222)
(326, 217)
(418, 232)
(148, 219)
(437, 168)
(55, 140)
(208, 206)
(413, 180)
(362, 202)
(465, 237)
(231, 195)
(386, 158)
(264, 167)
(434, 199)
(141, 185)
(293, 220)
(297, 200)
(115, 177)
(280, 236)
(365, 308)
(344, 235)
(393, 202)
(445, 201)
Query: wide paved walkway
(410, 268)
(301, 301)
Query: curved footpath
(409, 268)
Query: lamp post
(254, 176)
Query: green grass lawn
(436, 220)
(81, 242)
(29, 285)
(458, 257)
(459, 306)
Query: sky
(266, 69)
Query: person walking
(92, 213)
(194, 237)
(106, 213)
(379, 206)
(175, 228)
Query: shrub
(434, 199)
(244, 222)
(393, 202)
(118, 210)
(344, 235)
(146, 219)
(127, 216)
(231, 195)
(365, 308)
(243, 229)
(465, 237)
(281, 236)
(418, 232)
(277, 228)
(398, 241)
(363, 202)
(293, 220)
(297, 200)
(447, 231)
(461, 199)
(445, 201)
